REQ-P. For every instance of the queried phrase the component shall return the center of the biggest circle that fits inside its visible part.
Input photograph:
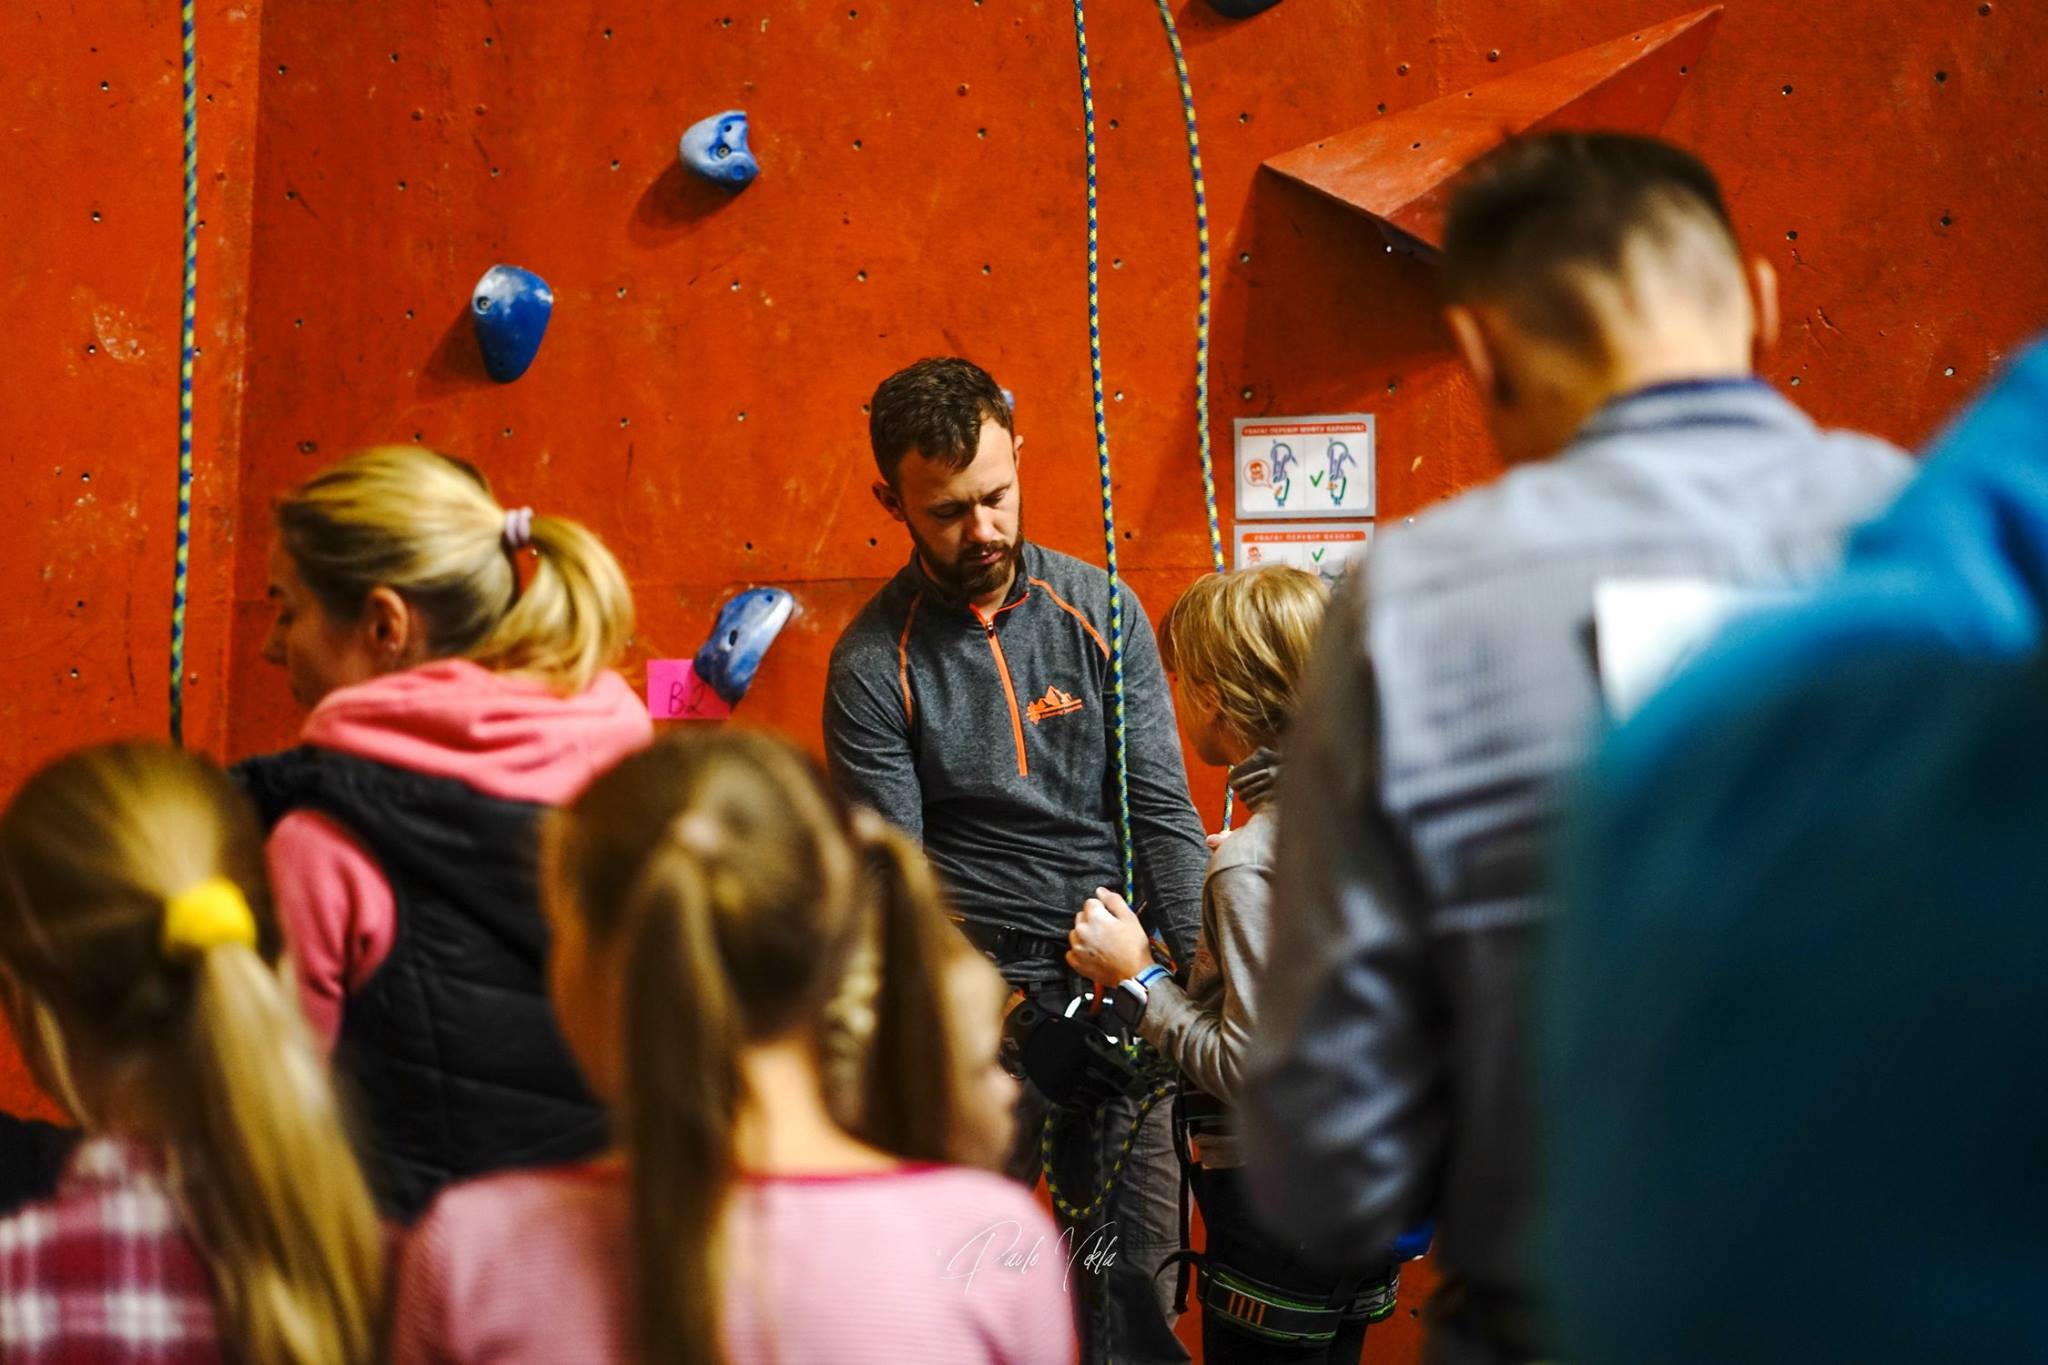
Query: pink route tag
(674, 692)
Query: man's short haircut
(1534, 220)
(934, 409)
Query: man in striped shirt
(1612, 323)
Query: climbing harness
(1082, 1066)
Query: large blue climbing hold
(746, 627)
(1241, 9)
(510, 308)
(716, 148)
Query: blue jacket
(1799, 1013)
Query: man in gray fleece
(970, 703)
(1236, 645)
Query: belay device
(1079, 1059)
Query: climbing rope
(189, 319)
(1116, 597)
(1187, 109)
(1081, 1213)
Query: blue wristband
(1150, 975)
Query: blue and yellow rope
(189, 320)
(1116, 596)
(1187, 108)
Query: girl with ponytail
(454, 655)
(769, 994)
(214, 1210)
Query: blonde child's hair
(203, 1031)
(426, 525)
(1245, 638)
(736, 892)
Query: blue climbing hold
(746, 627)
(1241, 9)
(716, 148)
(510, 308)
(1413, 1245)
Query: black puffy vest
(449, 1054)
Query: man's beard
(966, 580)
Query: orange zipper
(988, 628)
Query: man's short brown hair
(1532, 221)
(934, 409)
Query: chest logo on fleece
(1053, 703)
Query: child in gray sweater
(1236, 645)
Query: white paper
(1646, 629)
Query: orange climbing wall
(698, 399)
(699, 396)
(89, 407)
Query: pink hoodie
(506, 736)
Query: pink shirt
(504, 735)
(930, 1264)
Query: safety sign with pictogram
(1315, 467)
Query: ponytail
(911, 1105)
(269, 1178)
(136, 922)
(682, 1085)
(572, 619)
(426, 526)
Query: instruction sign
(1324, 548)
(1305, 466)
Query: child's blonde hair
(96, 852)
(426, 526)
(1245, 638)
(734, 890)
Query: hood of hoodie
(1966, 544)
(1255, 780)
(506, 736)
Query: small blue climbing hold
(746, 627)
(716, 148)
(1241, 9)
(1413, 1245)
(510, 308)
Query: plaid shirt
(105, 1271)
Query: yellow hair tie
(210, 914)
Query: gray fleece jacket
(991, 739)
(1206, 1026)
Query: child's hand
(1108, 943)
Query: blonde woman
(454, 656)
(213, 1210)
(707, 898)
(1236, 645)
